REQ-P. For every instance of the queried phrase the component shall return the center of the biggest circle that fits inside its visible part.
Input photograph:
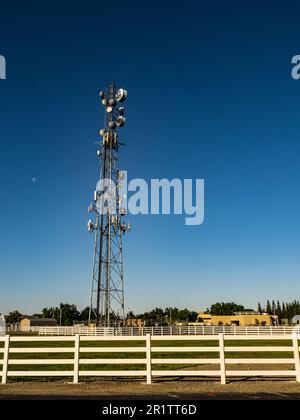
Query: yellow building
(238, 319)
(134, 322)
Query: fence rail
(78, 346)
(168, 330)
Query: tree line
(66, 314)
(169, 314)
(284, 310)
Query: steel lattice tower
(107, 294)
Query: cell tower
(107, 294)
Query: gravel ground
(161, 389)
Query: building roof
(41, 321)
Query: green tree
(157, 315)
(130, 315)
(48, 312)
(226, 308)
(84, 315)
(273, 307)
(269, 308)
(283, 310)
(13, 317)
(69, 313)
(193, 316)
(65, 314)
(279, 311)
(183, 315)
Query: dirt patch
(161, 388)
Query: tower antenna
(107, 294)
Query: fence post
(5, 359)
(148, 357)
(222, 359)
(296, 356)
(76, 358)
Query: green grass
(19, 333)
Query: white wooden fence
(78, 346)
(168, 330)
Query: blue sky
(210, 96)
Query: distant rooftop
(247, 313)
